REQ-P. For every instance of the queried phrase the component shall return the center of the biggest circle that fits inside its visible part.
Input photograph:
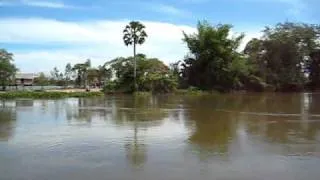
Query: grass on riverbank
(49, 95)
(194, 92)
(188, 92)
(142, 94)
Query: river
(225, 137)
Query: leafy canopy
(213, 62)
(281, 56)
(7, 68)
(152, 74)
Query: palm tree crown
(134, 33)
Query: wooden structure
(24, 79)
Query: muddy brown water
(227, 137)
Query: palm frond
(134, 33)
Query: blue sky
(47, 33)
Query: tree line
(284, 58)
(279, 60)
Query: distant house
(24, 79)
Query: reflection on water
(7, 122)
(248, 136)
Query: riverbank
(66, 93)
(48, 94)
(74, 90)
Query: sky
(43, 34)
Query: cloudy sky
(47, 33)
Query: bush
(49, 95)
(111, 87)
(158, 83)
(194, 91)
(142, 94)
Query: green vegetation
(142, 94)
(285, 58)
(193, 91)
(152, 75)
(214, 62)
(68, 73)
(81, 71)
(47, 95)
(281, 58)
(7, 68)
(42, 80)
(134, 34)
(80, 75)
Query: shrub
(49, 95)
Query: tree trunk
(22, 82)
(86, 82)
(135, 67)
(66, 82)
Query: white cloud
(99, 40)
(47, 4)
(167, 9)
(250, 34)
(38, 3)
(40, 31)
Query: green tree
(152, 75)
(104, 74)
(281, 56)
(155, 76)
(81, 70)
(123, 70)
(57, 77)
(86, 67)
(134, 34)
(214, 62)
(93, 76)
(68, 73)
(55, 74)
(7, 68)
(314, 69)
(42, 80)
(77, 68)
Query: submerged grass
(192, 92)
(142, 94)
(49, 95)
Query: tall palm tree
(134, 34)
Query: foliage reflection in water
(247, 136)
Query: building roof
(25, 76)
